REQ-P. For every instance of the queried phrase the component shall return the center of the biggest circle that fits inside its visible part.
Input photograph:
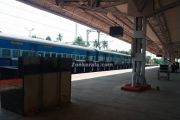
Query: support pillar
(138, 81)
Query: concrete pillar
(138, 81)
(139, 52)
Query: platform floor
(101, 98)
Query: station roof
(163, 18)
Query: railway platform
(98, 96)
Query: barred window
(6, 53)
(47, 54)
(53, 55)
(16, 53)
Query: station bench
(164, 69)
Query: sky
(18, 18)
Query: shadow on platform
(102, 98)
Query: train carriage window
(40, 54)
(26, 53)
(6, 53)
(91, 58)
(100, 58)
(32, 53)
(59, 55)
(77, 57)
(110, 59)
(94, 58)
(15, 53)
(53, 55)
(81, 57)
(64, 55)
(68, 56)
(73, 57)
(47, 54)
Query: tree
(148, 58)
(34, 36)
(158, 61)
(95, 43)
(48, 38)
(104, 44)
(59, 38)
(79, 41)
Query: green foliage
(104, 44)
(48, 38)
(95, 43)
(148, 58)
(59, 37)
(158, 61)
(34, 36)
(79, 41)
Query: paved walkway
(101, 98)
(83, 76)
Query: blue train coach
(84, 59)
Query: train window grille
(33, 53)
(91, 58)
(15, 53)
(107, 59)
(94, 58)
(25, 53)
(53, 55)
(59, 55)
(77, 57)
(73, 57)
(68, 56)
(40, 54)
(100, 58)
(64, 55)
(104, 58)
(84, 57)
(6, 53)
(47, 55)
(81, 57)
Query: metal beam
(167, 7)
